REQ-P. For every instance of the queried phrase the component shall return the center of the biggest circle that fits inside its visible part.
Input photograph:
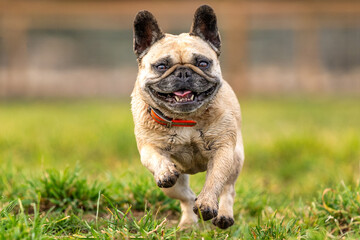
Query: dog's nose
(183, 73)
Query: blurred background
(83, 48)
(67, 69)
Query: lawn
(70, 169)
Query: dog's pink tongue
(182, 93)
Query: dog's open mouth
(184, 96)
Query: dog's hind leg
(225, 217)
(181, 190)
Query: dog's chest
(190, 149)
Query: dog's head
(178, 73)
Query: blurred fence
(84, 48)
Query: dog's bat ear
(146, 32)
(205, 26)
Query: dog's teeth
(192, 97)
(177, 98)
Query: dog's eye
(203, 64)
(161, 67)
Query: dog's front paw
(167, 177)
(223, 222)
(205, 208)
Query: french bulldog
(187, 117)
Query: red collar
(169, 122)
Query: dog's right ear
(146, 32)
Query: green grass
(72, 170)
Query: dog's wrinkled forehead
(180, 48)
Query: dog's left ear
(146, 32)
(205, 26)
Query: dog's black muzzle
(183, 90)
